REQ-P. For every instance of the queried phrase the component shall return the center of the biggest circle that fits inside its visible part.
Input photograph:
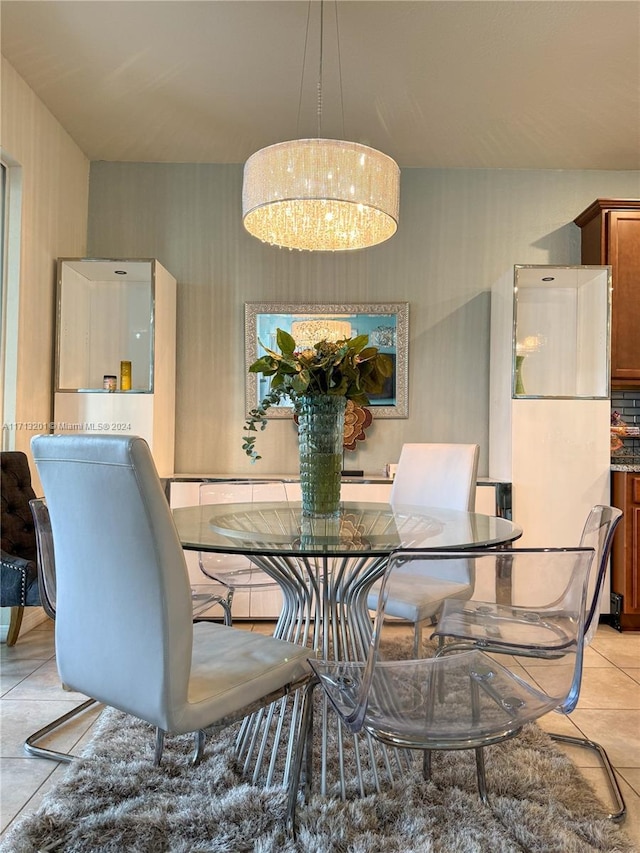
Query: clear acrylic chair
(235, 572)
(442, 475)
(460, 701)
(529, 630)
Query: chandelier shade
(321, 195)
(307, 333)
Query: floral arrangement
(347, 368)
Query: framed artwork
(386, 324)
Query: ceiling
(437, 83)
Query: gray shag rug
(113, 799)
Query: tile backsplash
(627, 404)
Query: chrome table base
(325, 609)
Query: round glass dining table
(362, 527)
(325, 568)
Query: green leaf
(265, 365)
(286, 343)
(358, 343)
(385, 364)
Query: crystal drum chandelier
(321, 194)
(307, 333)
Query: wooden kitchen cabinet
(625, 564)
(611, 235)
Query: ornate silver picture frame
(386, 323)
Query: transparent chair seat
(230, 570)
(454, 702)
(234, 571)
(203, 599)
(544, 633)
(529, 624)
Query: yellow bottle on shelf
(125, 376)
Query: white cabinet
(549, 397)
(110, 312)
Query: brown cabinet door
(625, 563)
(624, 256)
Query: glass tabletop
(361, 528)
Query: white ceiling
(439, 83)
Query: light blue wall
(460, 230)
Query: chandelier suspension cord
(319, 85)
(320, 70)
(304, 65)
(339, 68)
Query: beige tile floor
(31, 696)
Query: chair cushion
(260, 665)
(18, 582)
(417, 598)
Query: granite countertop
(633, 468)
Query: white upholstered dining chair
(124, 621)
(437, 475)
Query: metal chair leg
(225, 604)
(418, 651)
(418, 648)
(480, 773)
(426, 765)
(199, 747)
(621, 808)
(157, 756)
(304, 747)
(199, 739)
(52, 754)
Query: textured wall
(55, 188)
(459, 231)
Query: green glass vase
(519, 390)
(320, 439)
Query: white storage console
(492, 498)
